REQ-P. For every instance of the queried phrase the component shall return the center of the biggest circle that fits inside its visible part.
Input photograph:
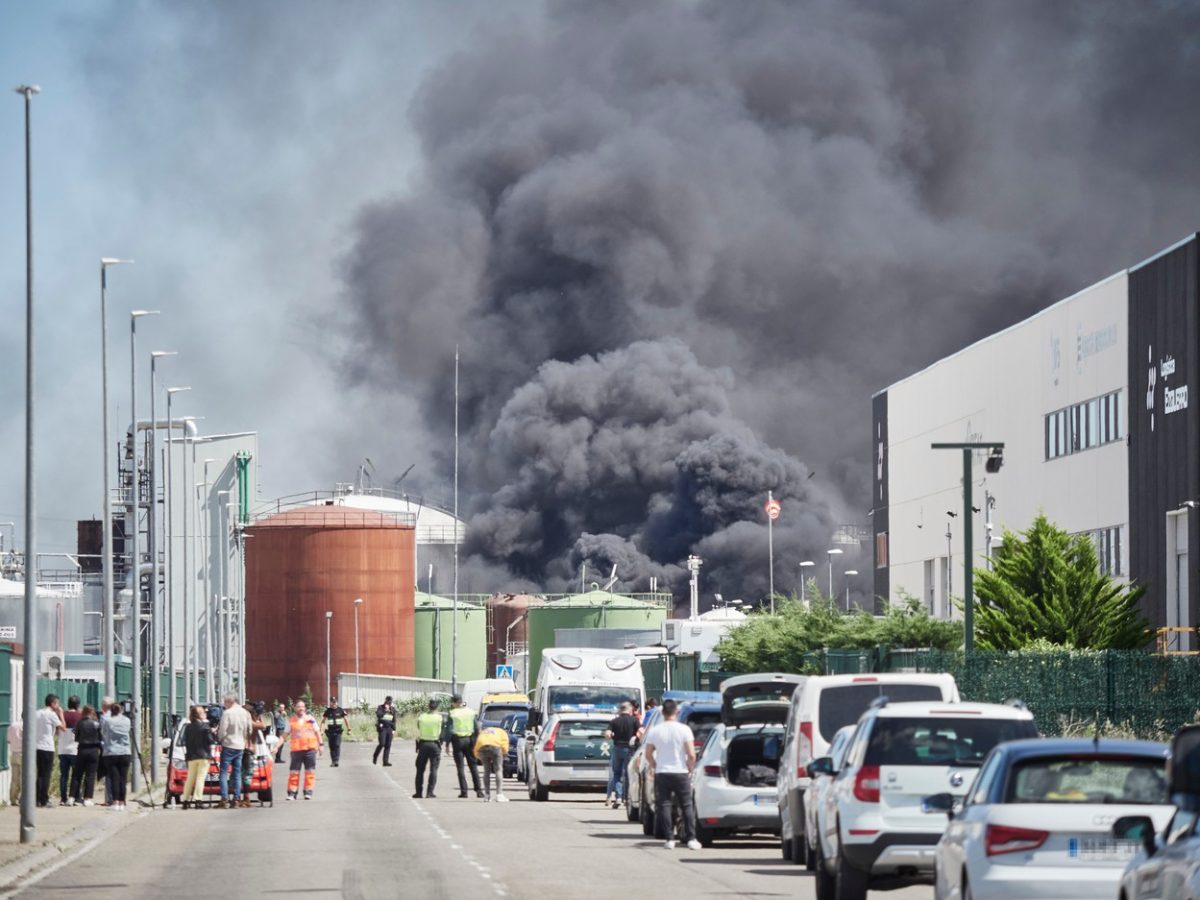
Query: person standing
(385, 729)
(462, 736)
(117, 748)
(304, 746)
(430, 727)
(281, 720)
(335, 722)
(68, 751)
(197, 742)
(671, 756)
(49, 721)
(102, 771)
(89, 740)
(234, 732)
(258, 734)
(491, 746)
(15, 730)
(621, 731)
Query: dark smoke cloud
(623, 206)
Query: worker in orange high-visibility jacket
(304, 746)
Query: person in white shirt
(49, 720)
(671, 756)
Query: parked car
(1037, 821)
(818, 786)
(872, 829)
(636, 807)
(820, 708)
(700, 715)
(495, 708)
(570, 753)
(1167, 862)
(514, 724)
(260, 776)
(733, 784)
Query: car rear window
(1088, 779)
(590, 731)
(844, 704)
(936, 741)
(702, 725)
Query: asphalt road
(363, 836)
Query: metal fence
(371, 689)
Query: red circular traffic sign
(773, 508)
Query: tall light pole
(106, 557)
(995, 460)
(831, 554)
(772, 509)
(172, 694)
(156, 629)
(454, 632)
(135, 567)
(357, 669)
(847, 575)
(328, 674)
(804, 565)
(29, 735)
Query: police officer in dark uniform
(385, 727)
(430, 727)
(335, 724)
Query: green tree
(1046, 586)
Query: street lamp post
(156, 625)
(995, 460)
(847, 575)
(804, 565)
(328, 692)
(107, 623)
(357, 669)
(172, 698)
(831, 554)
(135, 568)
(29, 736)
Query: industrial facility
(1090, 399)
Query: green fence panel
(6, 701)
(685, 672)
(654, 671)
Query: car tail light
(549, 745)
(1006, 839)
(712, 771)
(866, 784)
(806, 748)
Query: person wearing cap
(430, 726)
(335, 722)
(385, 727)
(463, 731)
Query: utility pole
(694, 563)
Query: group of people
(89, 743)
(471, 745)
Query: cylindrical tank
(433, 638)
(595, 609)
(507, 615)
(306, 562)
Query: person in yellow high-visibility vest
(430, 727)
(490, 748)
(462, 737)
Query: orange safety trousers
(306, 759)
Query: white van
(473, 692)
(820, 707)
(585, 679)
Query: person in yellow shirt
(490, 749)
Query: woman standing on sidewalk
(117, 750)
(89, 739)
(68, 750)
(198, 740)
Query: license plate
(1100, 849)
(764, 799)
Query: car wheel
(541, 793)
(966, 888)
(850, 883)
(704, 835)
(824, 881)
(632, 812)
(785, 847)
(810, 855)
(647, 816)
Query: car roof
(1031, 748)
(697, 706)
(824, 681)
(930, 708)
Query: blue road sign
(504, 671)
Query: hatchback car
(570, 754)
(818, 786)
(1037, 821)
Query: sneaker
(431, 796)
(486, 799)
(694, 844)
(71, 802)
(501, 799)
(418, 795)
(669, 845)
(307, 796)
(462, 796)
(89, 802)
(291, 796)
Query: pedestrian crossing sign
(504, 671)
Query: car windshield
(496, 713)
(934, 741)
(1088, 779)
(583, 697)
(843, 704)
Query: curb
(13, 874)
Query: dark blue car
(514, 724)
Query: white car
(820, 707)
(570, 754)
(733, 784)
(873, 830)
(1037, 822)
(819, 786)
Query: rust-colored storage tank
(503, 611)
(304, 562)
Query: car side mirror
(1136, 828)
(938, 803)
(822, 765)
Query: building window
(1109, 547)
(1092, 423)
(881, 550)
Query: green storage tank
(595, 609)
(434, 628)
